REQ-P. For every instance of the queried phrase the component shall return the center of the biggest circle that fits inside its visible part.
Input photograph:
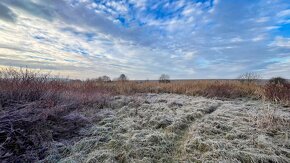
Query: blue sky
(186, 39)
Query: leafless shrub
(23, 85)
(278, 93)
(249, 77)
(32, 110)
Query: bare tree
(123, 77)
(249, 77)
(164, 78)
(104, 79)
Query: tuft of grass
(271, 120)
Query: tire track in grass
(179, 151)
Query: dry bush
(278, 90)
(21, 85)
(34, 111)
(278, 80)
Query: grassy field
(40, 114)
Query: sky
(186, 39)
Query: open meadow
(46, 119)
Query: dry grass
(36, 109)
(221, 89)
(230, 89)
(31, 86)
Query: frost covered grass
(179, 128)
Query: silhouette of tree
(104, 78)
(123, 77)
(164, 78)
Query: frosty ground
(179, 128)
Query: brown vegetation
(25, 85)
(278, 90)
(34, 108)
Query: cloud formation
(144, 38)
(6, 14)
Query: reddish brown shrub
(35, 109)
(278, 92)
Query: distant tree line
(248, 77)
(106, 78)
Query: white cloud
(236, 40)
(284, 13)
(262, 19)
(189, 55)
(140, 4)
(280, 69)
(258, 38)
(182, 38)
(281, 42)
